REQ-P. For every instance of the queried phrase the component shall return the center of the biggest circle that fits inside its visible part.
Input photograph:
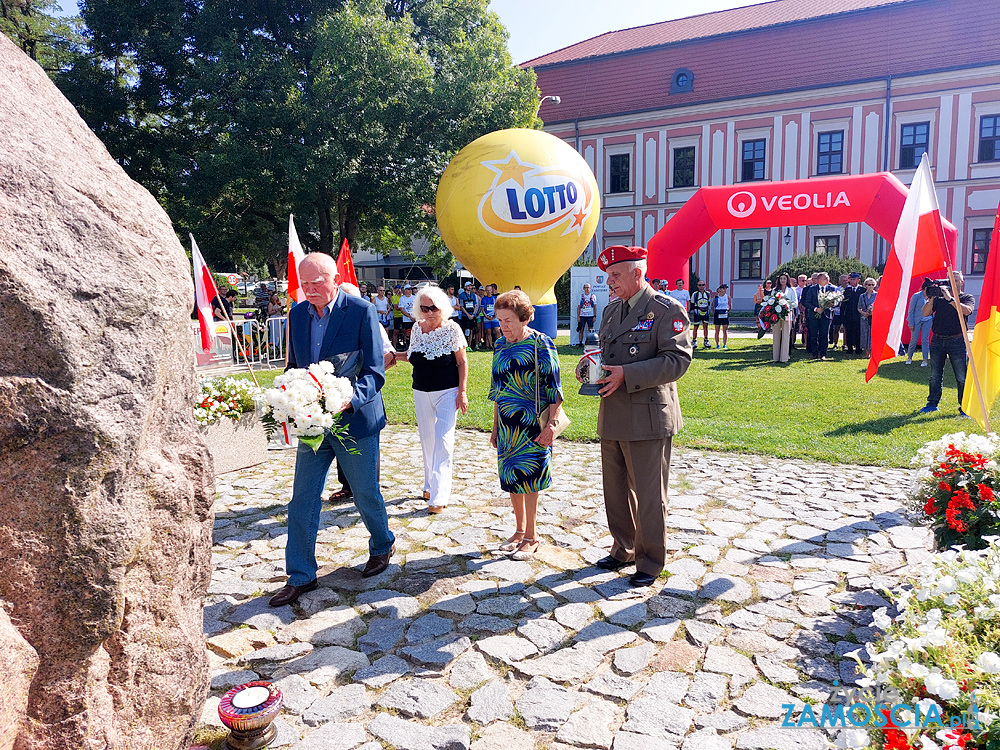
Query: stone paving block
(323, 665)
(485, 624)
(438, 653)
(545, 706)
(410, 735)
(706, 739)
(677, 656)
(604, 637)
(764, 701)
(257, 613)
(724, 588)
(469, 671)
(382, 671)
(706, 692)
(652, 716)
(628, 661)
(342, 703)
(502, 736)
(611, 685)
(781, 738)
(572, 665)
(506, 606)
(383, 635)
(624, 612)
(459, 604)
(726, 661)
(574, 616)
(389, 603)
(297, 693)
(427, 628)
(722, 721)
(507, 648)
(333, 736)
(590, 726)
(545, 634)
(232, 678)
(490, 703)
(418, 698)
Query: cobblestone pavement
(775, 571)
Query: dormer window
(682, 82)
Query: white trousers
(436, 415)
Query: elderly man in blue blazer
(332, 325)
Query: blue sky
(540, 26)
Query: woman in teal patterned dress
(524, 450)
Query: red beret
(619, 254)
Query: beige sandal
(526, 550)
(511, 544)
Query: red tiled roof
(758, 16)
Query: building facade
(789, 89)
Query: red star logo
(578, 218)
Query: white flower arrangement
(307, 403)
(828, 300)
(225, 397)
(940, 653)
(934, 453)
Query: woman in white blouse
(440, 373)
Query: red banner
(875, 199)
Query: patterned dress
(524, 465)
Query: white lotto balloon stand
(517, 207)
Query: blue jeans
(942, 348)
(921, 331)
(311, 469)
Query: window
(830, 153)
(827, 246)
(684, 167)
(618, 174)
(989, 138)
(980, 249)
(750, 255)
(682, 82)
(913, 140)
(753, 160)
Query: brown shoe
(290, 593)
(377, 563)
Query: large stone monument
(105, 486)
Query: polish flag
(918, 249)
(204, 292)
(295, 256)
(345, 266)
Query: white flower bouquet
(225, 397)
(828, 300)
(936, 668)
(307, 404)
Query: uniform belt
(945, 335)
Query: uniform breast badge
(633, 350)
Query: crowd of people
(646, 338)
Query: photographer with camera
(947, 338)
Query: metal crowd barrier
(263, 343)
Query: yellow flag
(986, 337)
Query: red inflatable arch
(875, 199)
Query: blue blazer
(353, 330)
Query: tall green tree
(50, 40)
(239, 112)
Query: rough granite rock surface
(106, 486)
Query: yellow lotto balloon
(517, 207)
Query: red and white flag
(345, 266)
(204, 292)
(295, 256)
(918, 249)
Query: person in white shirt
(682, 295)
(405, 306)
(722, 305)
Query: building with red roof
(787, 89)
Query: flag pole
(968, 346)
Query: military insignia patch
(643, 325)
(678, 326)
(649, 316)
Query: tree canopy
(236, 113)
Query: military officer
(646, 348)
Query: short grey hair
(634, 264)
(431, 294)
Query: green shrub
(810, 264)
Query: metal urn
(589, 370)
(248, 711)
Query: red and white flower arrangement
(225, 398)
(307, 403)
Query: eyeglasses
(701, 283)
(428, 308)
(870, 283)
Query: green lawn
(738, 400)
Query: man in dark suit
(818, 319)
(850, 315)
(331, 325)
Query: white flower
(985, 718)
(926, 743)
(882, 620)
(853, 738)
(908, 668)
(989, 662)
(946, 585)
